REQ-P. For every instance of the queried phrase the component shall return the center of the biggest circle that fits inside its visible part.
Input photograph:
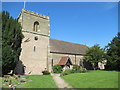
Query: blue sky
(87, 23)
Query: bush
(45, 72)
(82, 70)
(66, 72)
(57, 69)
(76, 68)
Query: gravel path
(60, 82)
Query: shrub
(82, 70)
(45, 72)
(57, 69)
(66, 72)
(76, 68)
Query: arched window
(36, 26)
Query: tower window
(36, 26)
(34, 48)
(52, 62)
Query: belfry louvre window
(36, 26)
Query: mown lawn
(40, 81)
(0, 82)
(93, 79)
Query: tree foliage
(95, 54)
(11, 42)
(113, 53)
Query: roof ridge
(70, 42)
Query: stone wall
(35, 48)
(75, 59)
(27, 20)
(34, 53)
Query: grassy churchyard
(28, 81)
(93, 79)
(40, 81)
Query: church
(39, 52)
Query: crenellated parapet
(35, 14)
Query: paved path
(60, 82)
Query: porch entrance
(66, 63)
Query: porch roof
(64, 60)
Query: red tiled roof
(63, 60)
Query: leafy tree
(95, 54)
(0, 45)
(11, 42)
(113, 53)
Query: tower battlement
(35, 14)
(34, 22)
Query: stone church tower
(35, 45)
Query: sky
(86, 23)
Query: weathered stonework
(34, 53)
(74, 58)
(27, 19)
(55, 58)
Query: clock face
(36, 37)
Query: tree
(0, 45)
(95, 54)
(11, 42)
(113, 53)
